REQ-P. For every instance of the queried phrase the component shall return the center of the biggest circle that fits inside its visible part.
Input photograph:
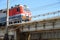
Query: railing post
(36, 25)
(53, 24)
(44, 24)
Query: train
(18, 13)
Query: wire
(56, 12)
(39, 8)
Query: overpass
(45, 29)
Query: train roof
(2, 15)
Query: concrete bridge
(46, 29)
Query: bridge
(45, 29)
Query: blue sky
(36, 6)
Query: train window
(18, 9)
(4, 11)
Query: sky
(36, 6)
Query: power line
(41, 7)
(56, 12)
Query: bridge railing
(47, 15)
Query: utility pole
(6, 37)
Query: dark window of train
(18, 9)
(4, 11)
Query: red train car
(20, 12)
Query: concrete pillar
(22, 35)
(17, 34)
(29, 36)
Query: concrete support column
(17, 34)
(22, 35)
(29, 36)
